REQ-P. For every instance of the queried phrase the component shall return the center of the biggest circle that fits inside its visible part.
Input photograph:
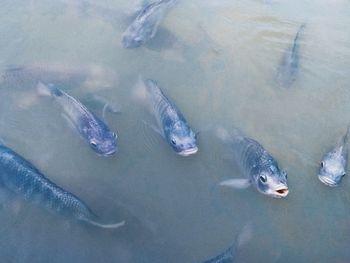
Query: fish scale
(172, 125)
(22, 178)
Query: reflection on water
(218, 61)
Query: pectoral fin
(236, 183)
(155, 128)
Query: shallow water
(217, 60)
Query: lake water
(217, 60)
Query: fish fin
(245, 235)
(236, 183)
(69, 121)
(43, 90)
(155, 128)
(107, 226)
(107, 106)
(222, 134)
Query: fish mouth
(282, 191)
(327, 181)
(188, 152)
(111, 152)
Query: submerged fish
(334, 163)
(289, 66)
(21, 177)
(258, 165)
(145, 25)
(172, 125)
(90, 127)
(229, 255)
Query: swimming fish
(260, 168)
(24, 179)
(289, 66)
(145, 25)
(229, 255)
(90, 127)
(172, 125)
(334, 163)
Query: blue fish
(145, 25)
(101, 139)
(230, 254)
(21, 177)
(289, 66)
(260, 168)
(334, 163)
(172, 125)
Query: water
(218, 61)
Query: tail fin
(43, 90)
(345, 138)
(107, 226)
(245, 235)
(301, 27)
(223, 134)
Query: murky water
(217, 60)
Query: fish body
(90, 127)
(227, 256)
(230, 254)
(24, 179)
(172, 124)
(334, 163)
(145, 25)
(289, 66)
(260, 168)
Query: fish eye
(343, 174)
(263, 178)
(173, 142)
(93, 143)
(322, 164)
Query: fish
(334, 163)
(22, 178)
(171, 124)
(230, 254)
(93, 130)
(260, 168)
(289, 66)
(145, 25)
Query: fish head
(182, 139)
(273, 182)
(132, 38)
(332, 169)
(105, 145)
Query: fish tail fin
(106, 226)
(169, 3)
(43, 90)
(301, 28)
(47, 90)
(140, 90)
(222, 134)
(152, 86)
(245, 235)
(226, 136)
(345, 138)
(241, 239)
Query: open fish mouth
(188, 152)
(282, 191)
(111, 152)
(327, 181)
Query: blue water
(217, 60)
